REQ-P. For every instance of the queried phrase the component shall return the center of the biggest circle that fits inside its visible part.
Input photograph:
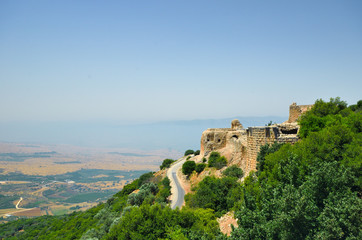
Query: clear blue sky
(166, 60)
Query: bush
(188, 167)
(197, 152)
(214, 156)
(265, 150)
(216, 161)
(200, 167)
(164, 191)
(214, 193)
(189, 152)
(145, 178)
(146, 193)
(318, 117)
(204, 160)
(233, 171)
(166, 163)
(309, 190)
(159, 222)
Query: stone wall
(241, 146)
(257, 137)
(295, 111)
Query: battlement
(241, 146)
(295, 111)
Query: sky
(149, 61)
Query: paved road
(178, 193)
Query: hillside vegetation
(310, 190)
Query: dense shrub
(164, 191)
(214, 193)
(217, 161)
(158, 222)
(146, 192)
(309, 190)
(213, 156)
(166, 163)
(356, 107)
(145, 178)
(189, 152)
(188, 167)
(197, 152)
(265, 150)
(233, 171)
(320, 115)
(200, 167)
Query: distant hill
(178, 135)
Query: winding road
(178, 193)
(17, 205)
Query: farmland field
(58, 179)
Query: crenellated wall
(295, 111)
(257, 137)
(241, 146)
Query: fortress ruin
(241, 146)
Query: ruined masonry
(241, 146)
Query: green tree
(189, 152)
(166, 163)
(164, 191)
(158, 222)
(216, 161)
(145, 178)
(317, 118)
(233, 171)
(214, 156)
(265, 150)
(200, 167)
(188, 167)
(213, 193)
(308, 190)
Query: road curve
(17, 205)
(177, 192)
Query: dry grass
(106, 185)
(8, 210)
(34, 212)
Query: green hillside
(310, 190)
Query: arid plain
(38, 179)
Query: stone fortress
(241, 146)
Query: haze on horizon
(149, 61)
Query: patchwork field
(57, 179)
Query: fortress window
(235, 137)
(267, 132)
(249, 131)
(219, 140)
(291, 131)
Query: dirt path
(17, 205)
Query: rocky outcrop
(241, 146)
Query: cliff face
(241, 146)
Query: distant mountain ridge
(178, 135)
